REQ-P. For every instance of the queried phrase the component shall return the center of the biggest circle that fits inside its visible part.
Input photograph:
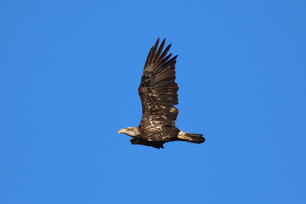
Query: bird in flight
(158, 94)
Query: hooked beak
(120, 131)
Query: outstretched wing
(157, 89)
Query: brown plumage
(158, 94)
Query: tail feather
(191, 137)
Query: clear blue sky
(69, 74)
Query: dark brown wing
(157, 89)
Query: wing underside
(158, 90)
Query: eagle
(158, 94)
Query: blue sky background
(69, 74)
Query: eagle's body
(158, 94)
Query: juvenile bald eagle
(158, 94)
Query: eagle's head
(130, 131)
